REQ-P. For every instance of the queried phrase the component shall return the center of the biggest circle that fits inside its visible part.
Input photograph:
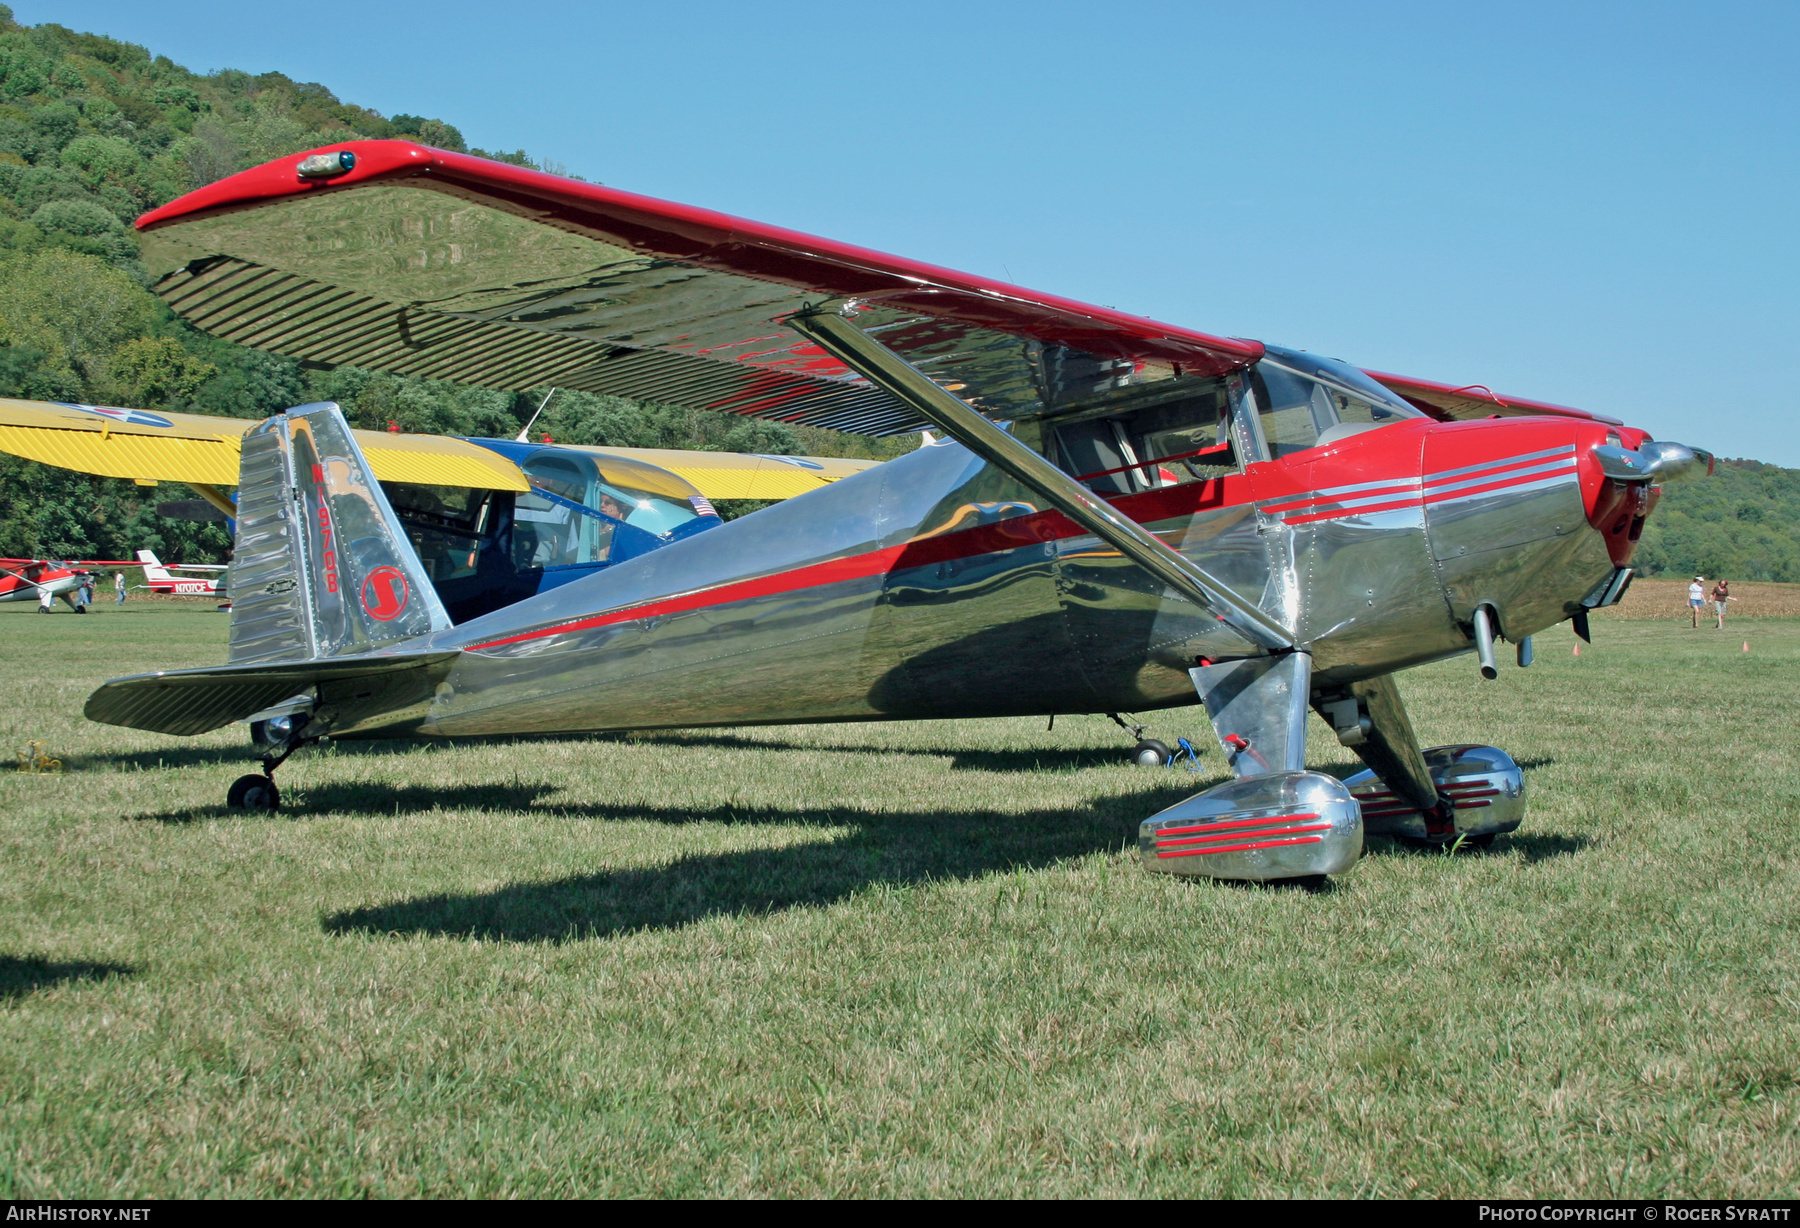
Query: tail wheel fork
(259, 792)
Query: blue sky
(1595, 204)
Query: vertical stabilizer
(153, 568)
(322, 567)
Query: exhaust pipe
(1484, 641)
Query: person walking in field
(1696, 597)
(1721, 593)
(119, 585)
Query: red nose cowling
(1616, 509)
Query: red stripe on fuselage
(1036, 528)
(832, 571)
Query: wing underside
(442, 265)
(438, 264)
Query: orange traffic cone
(1578, 650)
(1746, 645)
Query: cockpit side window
(1188, 440)
(567, 476)
(1303, 401)
(1293, 410)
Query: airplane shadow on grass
(890, 849)
(962, 758)
(24, 975)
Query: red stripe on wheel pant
(1239, 848)
(1230, 823)
(1242, 835)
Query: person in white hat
(1696, 598)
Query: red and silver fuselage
(929, 587)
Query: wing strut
(847, 343)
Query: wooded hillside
(93, 132)
(1743, 523)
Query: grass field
(895, 959)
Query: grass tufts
(896, 959)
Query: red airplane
(30, 579)
(159, 580)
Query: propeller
(1655, 461)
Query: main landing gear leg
(1445, 797)
(259, 792)
(1277, 820)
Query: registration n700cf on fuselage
(1120, 515)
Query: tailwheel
(253, 793)
(1150, 753)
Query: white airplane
(158, 577)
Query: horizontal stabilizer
(351, 691)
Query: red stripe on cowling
(1466, 491)
(1239, 848)
(1410, 486)
(1431, 497)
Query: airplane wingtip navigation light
(326, 165)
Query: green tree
(73, 309)
(158, 372)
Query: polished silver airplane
(1121, 516)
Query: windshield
(634, 493)
(1303, 401)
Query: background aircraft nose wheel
(253, 793)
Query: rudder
(322, 567)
